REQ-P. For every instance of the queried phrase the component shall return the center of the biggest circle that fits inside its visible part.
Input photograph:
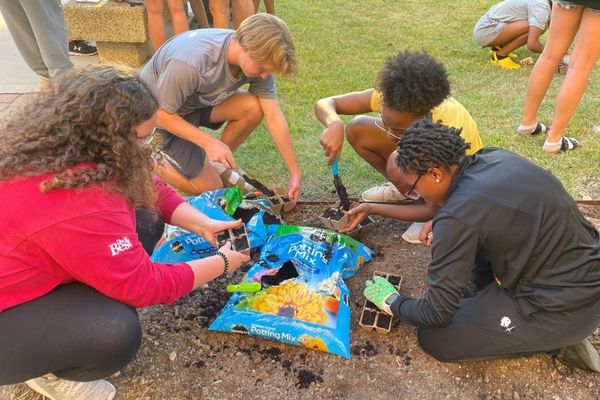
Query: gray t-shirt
(190, 71)
(536, 12)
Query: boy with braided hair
(493, 231)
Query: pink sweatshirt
(86, 235)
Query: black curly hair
(413, 82)
(427, 145)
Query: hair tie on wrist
(225, 260)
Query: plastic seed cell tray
(371, 317)
(238, 238)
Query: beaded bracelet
(225, 260)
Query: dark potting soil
(342, 193)
(239, 231)
(333, 214)
(384, 320)
(223, 237)
(241, 243)
(394, 280)
(245, 213)
(367, 349)
(370, 305)
(275, 200)
(285, 272)
(306, 378)
(258, 185)
(368, 317)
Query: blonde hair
(268, 41)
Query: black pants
(74, 331)
(492, 325)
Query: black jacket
(506, 211)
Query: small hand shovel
(340, 189)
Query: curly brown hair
(85, 115)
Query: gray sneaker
(62, 389)
(583, 355)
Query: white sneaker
(383, 193)
(412, 233)
(62, 389)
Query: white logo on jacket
(506, 323)
(119, 246)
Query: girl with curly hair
(74, 166)
(410, 86)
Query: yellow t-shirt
(450, 113)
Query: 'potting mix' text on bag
(302, 298)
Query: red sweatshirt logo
(119, 246)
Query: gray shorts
(568, 5)
(189, 158)
(486, 31)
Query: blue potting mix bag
(178, 245)
(311, 307)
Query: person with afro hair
(410, 86)
(515, 266)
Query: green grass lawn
(341, 44)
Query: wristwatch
(387, 303)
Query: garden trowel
(340, 189)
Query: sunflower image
(291, 299)
(312, 343)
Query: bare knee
(207, 179)
(252, 111)
(550, 56)
(356, 128)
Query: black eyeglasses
(412, 194)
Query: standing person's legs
(242, 9)
(219, 9)
(178, 16)
(199, 12)
(563, 27)
(156, 23)
(73, 332)
(492, 325)
(22, 33)
(270, 6)
(585, 54)
(47, 20)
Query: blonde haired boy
(197, 77)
